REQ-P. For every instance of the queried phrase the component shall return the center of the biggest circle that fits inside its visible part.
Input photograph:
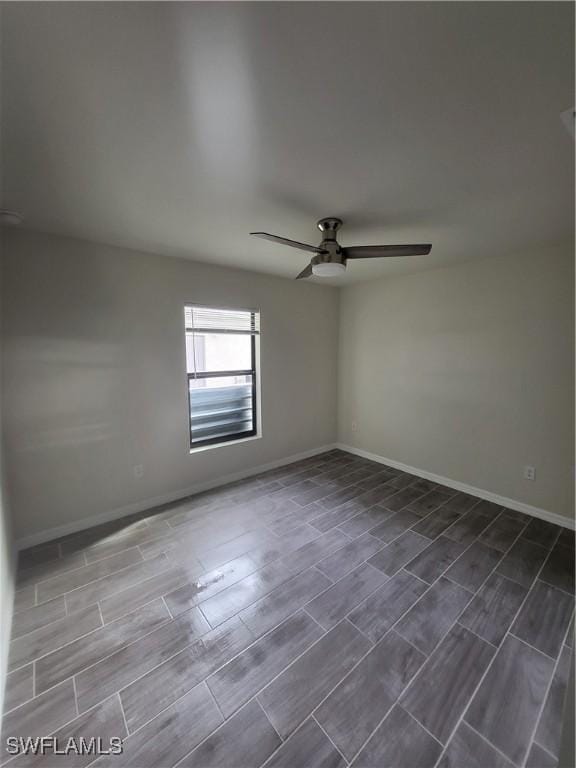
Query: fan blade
(305, 272)
(286, 241)
(376, 251)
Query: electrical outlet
(139, 471)
(354, 426)
(529, 473)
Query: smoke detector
(10, 218)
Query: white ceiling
(178, 128)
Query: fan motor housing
(329, 226)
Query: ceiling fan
(330, 257)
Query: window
(221, 353)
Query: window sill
(227, 444)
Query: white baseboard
(518, 506)
(141, 506)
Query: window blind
(212, 320)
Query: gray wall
(7, 551)
(95, 378)
(467, 372)
(7, 554)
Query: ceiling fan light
(328, 269)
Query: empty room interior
(287, 384)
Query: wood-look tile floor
(331, 612)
